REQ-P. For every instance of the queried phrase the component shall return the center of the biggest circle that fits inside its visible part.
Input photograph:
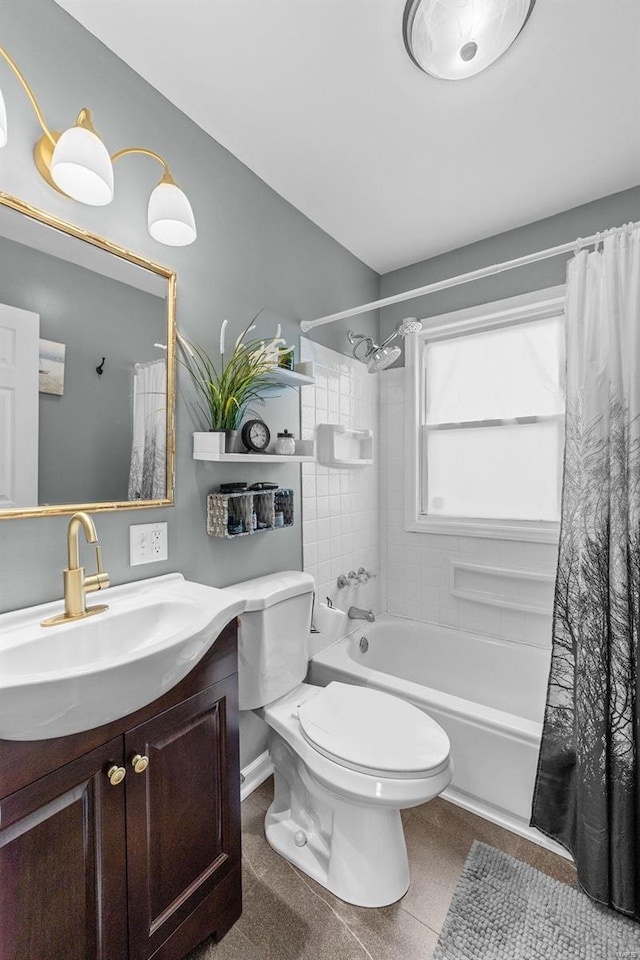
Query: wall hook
(100, 368)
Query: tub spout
(356, 613)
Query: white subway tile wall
(340, 507)
(417, 566)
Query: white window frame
(538, 305)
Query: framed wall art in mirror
(87, 370)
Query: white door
(19, 352)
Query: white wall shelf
(254, 458)
(205, 443)
(528, 591)
(305, 453)
(340, 446)
(300, 376)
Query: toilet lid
(373, 732)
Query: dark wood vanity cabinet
(63, 866)
(182, 838)
(140, 869)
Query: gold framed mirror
(87, 370)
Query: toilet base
(355, 850)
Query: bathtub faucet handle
(365, 575)
(347, 581)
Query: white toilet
(346, 759)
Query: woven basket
(228, 512)
(284, 503)
(230, 515)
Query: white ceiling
(319, 98)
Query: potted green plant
(225, 389)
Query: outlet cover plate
(148, 543)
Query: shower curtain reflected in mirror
(147, 475)
(587, 790)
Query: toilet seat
(373, 732)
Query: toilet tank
(273, 636)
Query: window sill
(533, 532)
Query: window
(489, 420)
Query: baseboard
(261, 769)
(254, 774)
(504, 819)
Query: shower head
(379, 356)
(408, 325)
(382, 358)
(375, 356)
(404, 328)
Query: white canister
(285, 444)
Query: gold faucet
(76, 585)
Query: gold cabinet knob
(139, 763)
(116, 774)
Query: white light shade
(3, 121)
(171, 219)
(455, 39)
(82, 168)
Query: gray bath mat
(503, 909)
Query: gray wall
(84, 442)
(254, 250)
(581, 221)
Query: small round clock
(255, 436)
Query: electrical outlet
(148, 543)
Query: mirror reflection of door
(74, 428)
(19, 354)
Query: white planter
(233, 443)
(208, 445)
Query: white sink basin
(75, 676)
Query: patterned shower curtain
(587, 794)
(147, 473)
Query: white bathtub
(488, 695)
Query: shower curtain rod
(461, 278)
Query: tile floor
(287, 916)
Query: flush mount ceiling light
(455, 39)
(77, 164)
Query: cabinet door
(62, 864)
(183, 831)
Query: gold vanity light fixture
(77, 164)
